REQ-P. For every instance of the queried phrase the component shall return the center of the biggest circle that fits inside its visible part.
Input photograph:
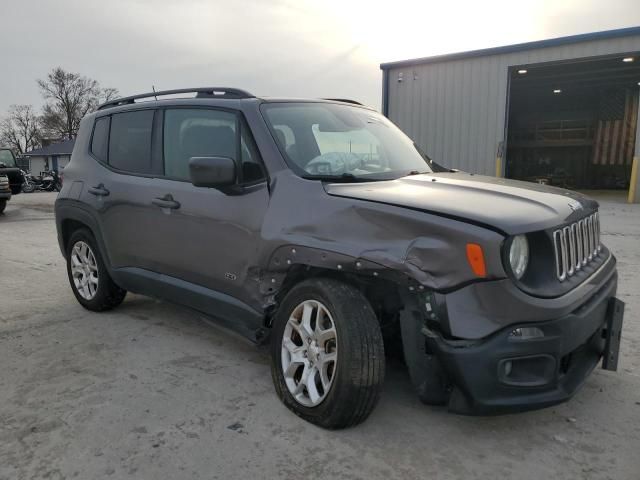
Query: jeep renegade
(318, 226)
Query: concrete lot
(153, 391)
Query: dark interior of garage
(573, 125)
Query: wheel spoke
(310, 383)
(324, 376)
(327, 358)
(303, 380)
(307, 314)
(325, 335)
(290, 346)
(293, 368)
(296, 352)
(302, 333)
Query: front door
(203, 235)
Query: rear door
(122, 184)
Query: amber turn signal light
(475, 257)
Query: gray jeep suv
(318, 226)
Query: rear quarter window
(100, 139)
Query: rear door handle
(166, 202)
(99, 191)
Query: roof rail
(203, 92)
(344, 100)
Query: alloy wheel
(309, 353)
(84, 270)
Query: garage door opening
(574, 125)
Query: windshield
(6, 158)
(328, 140)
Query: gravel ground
(154, 391)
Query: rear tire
(354, 381)
(3, 205)
(88, 276)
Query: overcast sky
(328, 48)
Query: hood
(509, 206)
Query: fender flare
(288, 256)
(66, 209)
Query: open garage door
(574, 124)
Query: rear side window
(100, 140)
(130, 141)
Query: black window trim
(244, 127)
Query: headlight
(519, 255)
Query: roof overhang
(519, 47)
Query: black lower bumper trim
(506, 373)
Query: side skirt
(227, 310)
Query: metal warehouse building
(562, 112)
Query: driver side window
(196, 133)
(199, 132)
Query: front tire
(327, 353)
(90, 281)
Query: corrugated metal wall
(455, 110)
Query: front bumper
(506, 374)
(502, 373)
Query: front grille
(576, 245)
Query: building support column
(499, 157)
(634, 184)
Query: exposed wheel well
(383, 295)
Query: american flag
(615, 133)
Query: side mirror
(212, 172)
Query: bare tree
(20, 129)
(108, 94)
(70, 96)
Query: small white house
(52, 157)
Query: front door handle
(99, 191)
(166, 202)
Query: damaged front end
(474, 336)
(522, 365)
